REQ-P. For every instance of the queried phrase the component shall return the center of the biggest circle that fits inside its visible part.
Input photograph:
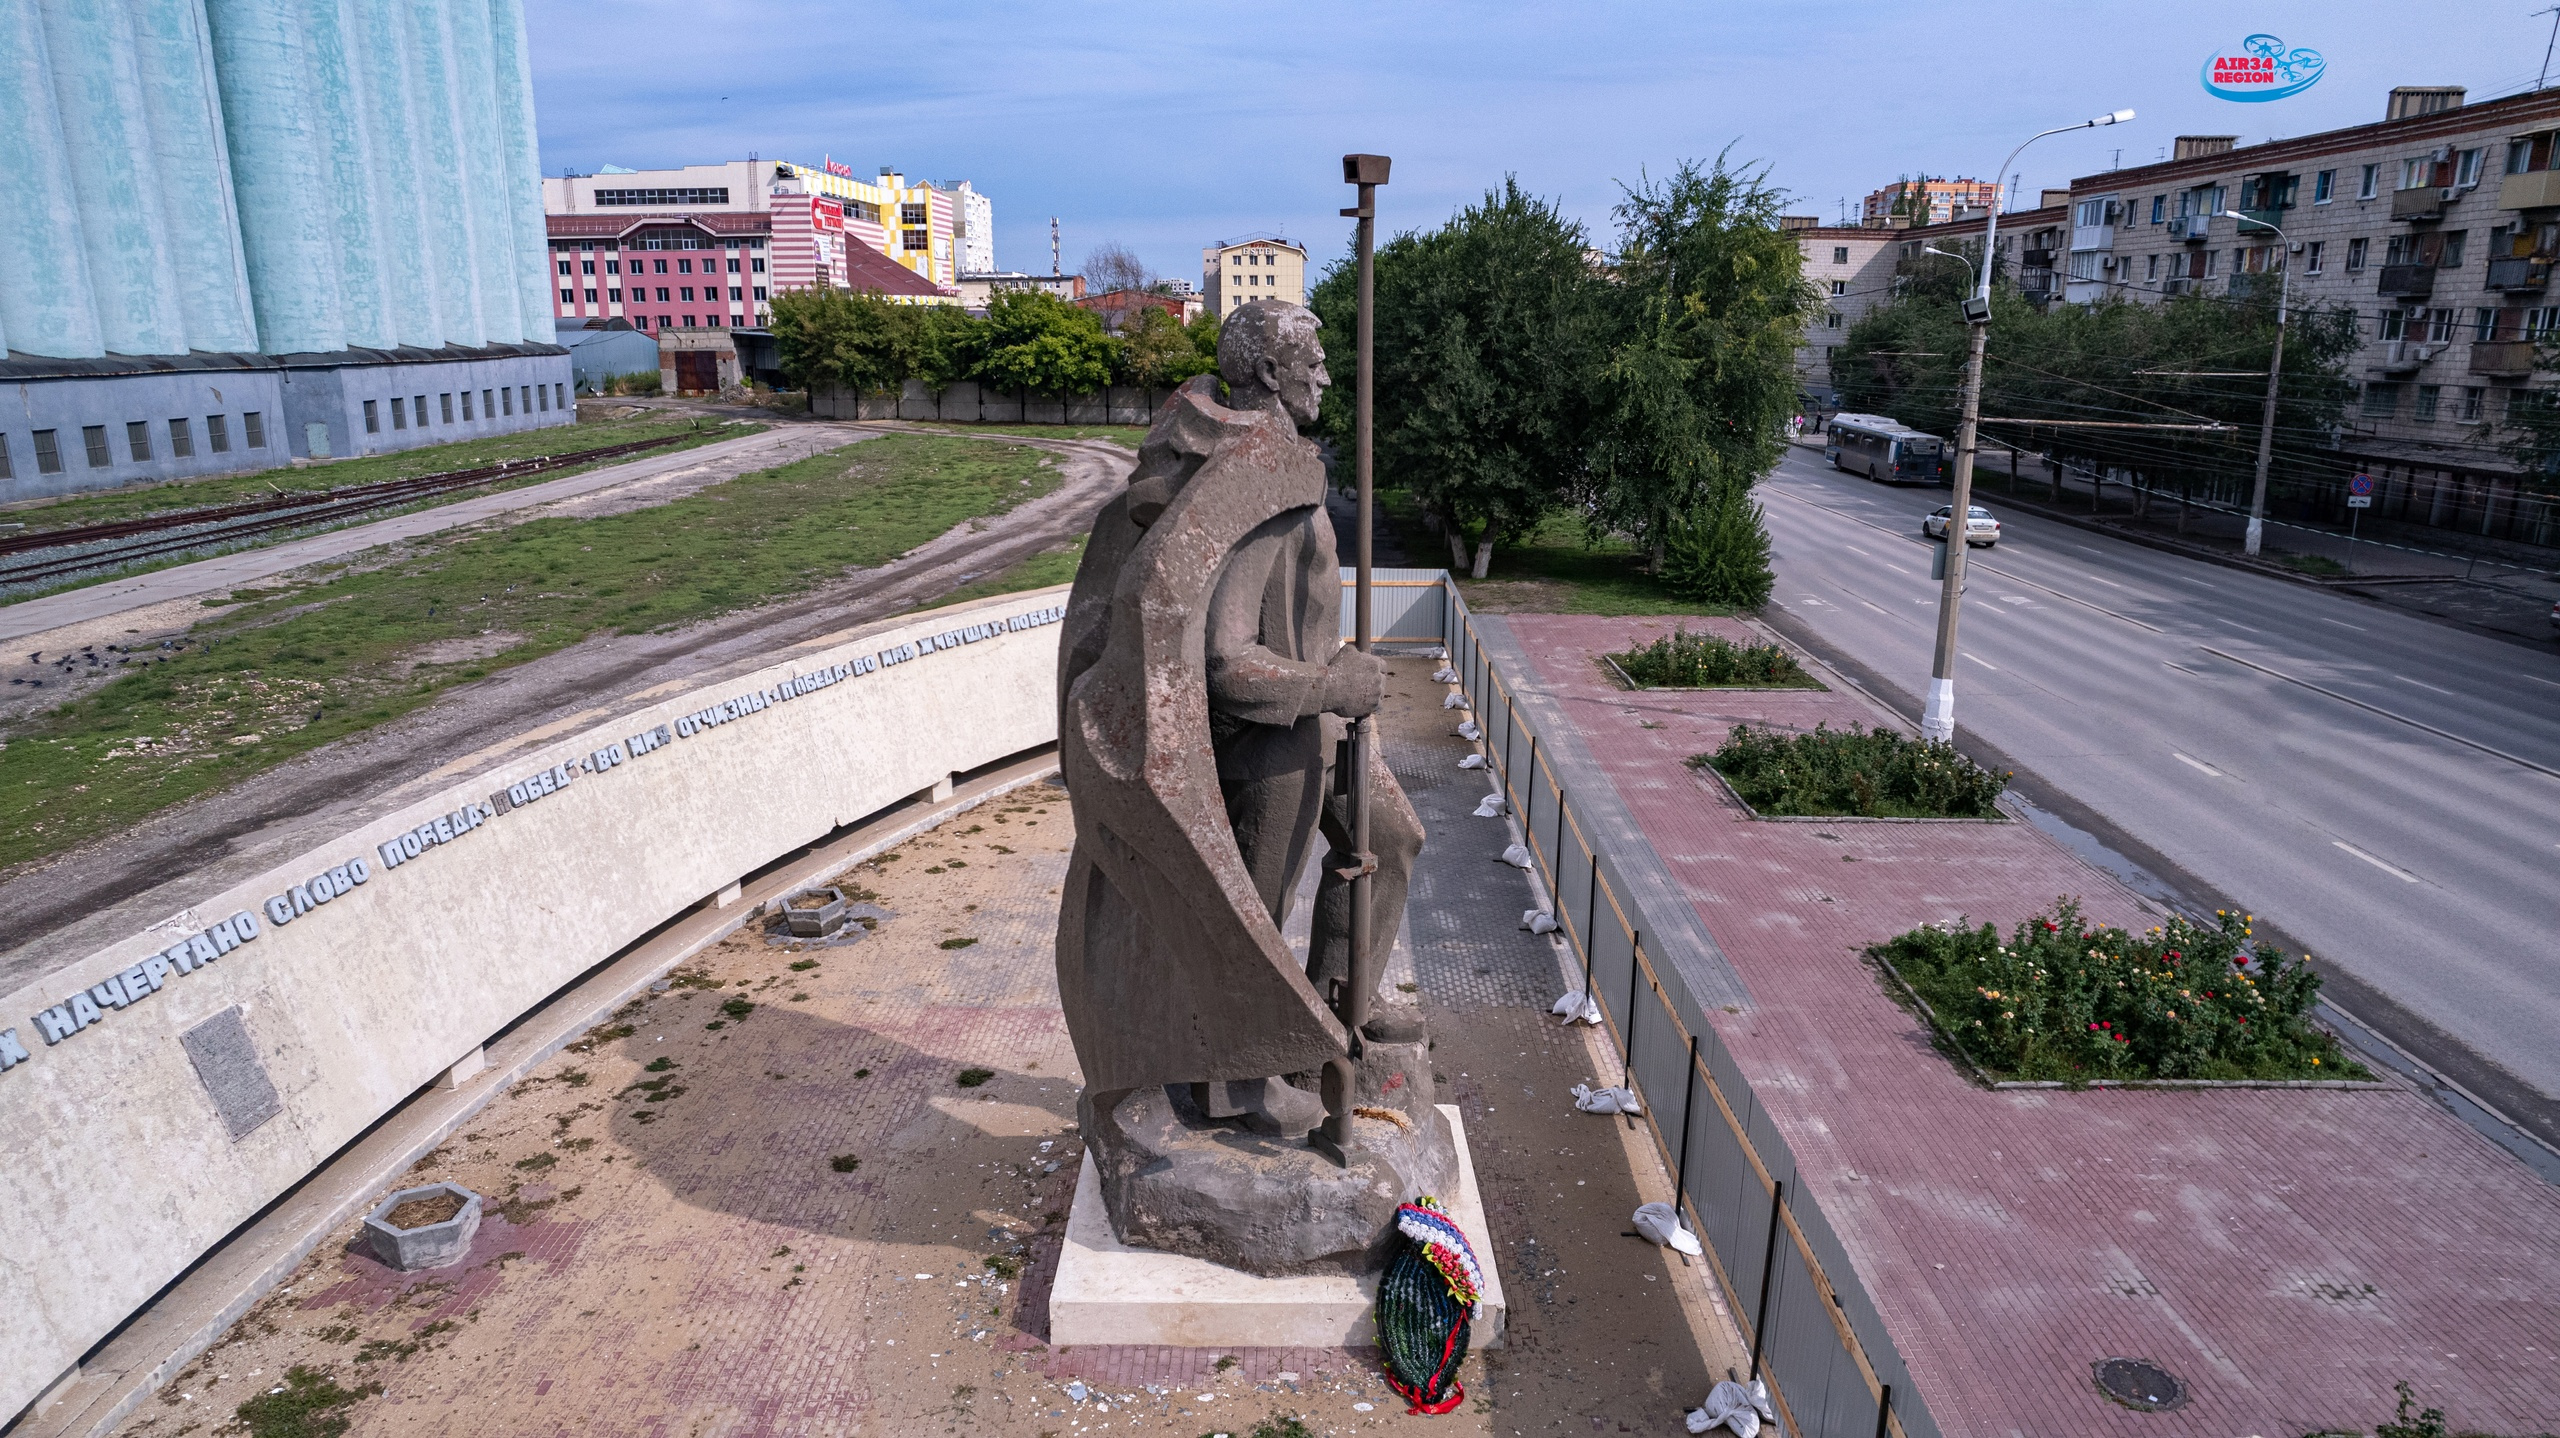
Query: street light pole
(2275, 374)
(1938, 715)
(1340, 1079)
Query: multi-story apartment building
(2437, 227)
(1925, 201)
(973, 227)
(1258, 267)
(1853, 268)
(1856, 269)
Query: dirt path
(60, 907)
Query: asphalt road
(2413, 860)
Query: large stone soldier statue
(1204, 693)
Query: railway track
(222, 524)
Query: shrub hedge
(1682, 660)
(1868, 773)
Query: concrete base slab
(1108, 1293)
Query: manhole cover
(2140, 1385)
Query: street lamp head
(1944, 254)
(2116, 117)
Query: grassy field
(1555, 572)
(298, 665)
(135, 501)
(1049, 566)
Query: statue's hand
(1354, 683)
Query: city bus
(1884, 449)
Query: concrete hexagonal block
(808, 920)
(434, 1244)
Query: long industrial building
(243, 231)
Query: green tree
(1487, 332)
(1710, 305)
(1158, 351)
(1037, 342)
(1718, 551)
(829, 338)
(2187, 360)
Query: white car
(1980, 527)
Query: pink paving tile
(2289, 1253)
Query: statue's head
(1268, 353)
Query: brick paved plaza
(2289, 1253)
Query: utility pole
(1340, 1080)
(1054, 271)
(1938, 715)
(2275, 376)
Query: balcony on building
(2532, 182)
(2036, 283)
(2177, 285)
(2190, 228)
(2502, 359)
(2519, 272)
(2423, 203)
(2398, 357)
(2411, 282)
(2251, 286)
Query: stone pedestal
(1108, 1292)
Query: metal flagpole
(1368, 172)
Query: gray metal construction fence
(1814, 1332)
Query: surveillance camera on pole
(1938, 717)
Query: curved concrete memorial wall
(163, 1091)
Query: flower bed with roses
(2060, 1000)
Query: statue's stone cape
(1170, 968)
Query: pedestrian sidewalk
(2288, 1253)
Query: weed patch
(308, 1404)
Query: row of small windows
(138, 442)
(683, 267)
(657, 242)
(705, 195)
(407, 411)
(710, 294)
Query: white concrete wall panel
(199, 212)
(391, 127)
(531, 260)
(288, 226)
(46, 307)
(121, 1170)
(481, 143)
(342, 105)
(97, 89)
(444, 217)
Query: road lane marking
(2538, 679)
(2111, 584)
(2015, 599)
(1984, 565)
(2403, 875)
(2245, 629)
(2342, 624)
(1985, 663)
(1878, 608)
(1853, 549)
(2181, 668)
(2195, 763)
(2421, 683)
(2385, 713)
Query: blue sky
(1169, 127)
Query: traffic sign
(2361, 484)
(2359, 501)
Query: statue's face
(1295, 372)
